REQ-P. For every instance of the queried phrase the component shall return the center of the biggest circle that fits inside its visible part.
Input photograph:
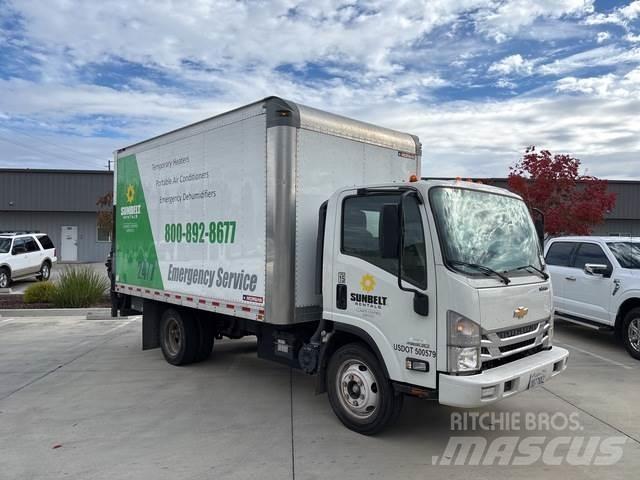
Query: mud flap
(151, 325)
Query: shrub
(41, 292)
(79, 287)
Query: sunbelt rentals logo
(368, 299)
(367, 283)
(129, 210)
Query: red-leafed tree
(572, 203)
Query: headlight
(463, 343)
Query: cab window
(361, 219)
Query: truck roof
(281, 112)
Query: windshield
(488, 229)
(5, 245)
(627, 253)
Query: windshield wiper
(542, 274)
(481, 268)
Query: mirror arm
(401, 243)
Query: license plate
(536, 378)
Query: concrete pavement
(80, 400)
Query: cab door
(366, 294)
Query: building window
(104, 234)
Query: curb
(89, 313)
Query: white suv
(24, 255)
(596, 282)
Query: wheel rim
(45, 271)
(634, 334)
(3, 280)
(357, 389)
(172, 337)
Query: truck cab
(447, 283)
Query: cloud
(510, 17)
(631, 11)
(620, 16)
(513, 64)
(596, 57)
(610, 86)
(477, 80)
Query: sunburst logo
(131, 194)
(368, 283)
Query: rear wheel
(179, 337)
(360, 395)
(631, 332)
(45, 272)
(5, 278)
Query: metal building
(61, 203)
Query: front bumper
(500, 382)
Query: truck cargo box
(222, 215)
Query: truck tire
(360, 395)
(179, 337)
(206, 337)
(631, 332)
(5, 277)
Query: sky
(477, 80)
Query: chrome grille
(499, 344)
(517, 331)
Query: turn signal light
(415, 364)
(413, 178)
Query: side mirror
(538, 223)
(421, 304)
(389, 236)
(597, 269)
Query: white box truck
(312, 232)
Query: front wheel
(360, 394)
(631, 332)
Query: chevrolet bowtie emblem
(520, 312)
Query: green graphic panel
(136, 257)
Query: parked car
(25, 255)
(596, 282)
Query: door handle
(572, 279)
